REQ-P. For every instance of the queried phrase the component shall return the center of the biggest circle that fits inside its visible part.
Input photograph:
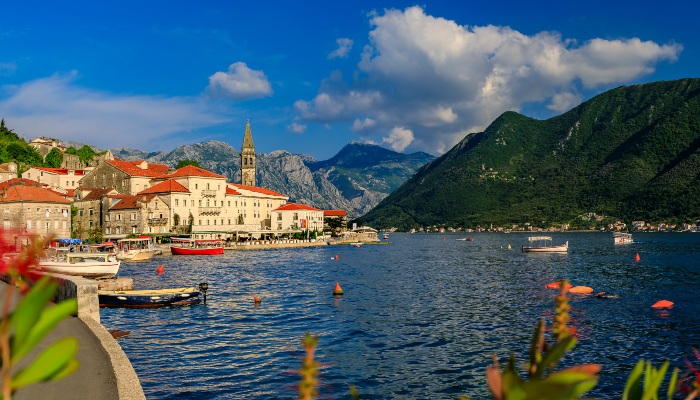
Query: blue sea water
(420, 317)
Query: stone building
(91, 205)
(34, 209)
(127, 177)
(133, 215)
(56, 178)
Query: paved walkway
(94, 379)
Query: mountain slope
(619, 153)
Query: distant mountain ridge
(632, 152)
(355, 180)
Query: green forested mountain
(632, 152)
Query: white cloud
(344, 47)
(239, 83)
(56, 107)
(296, 128)
(441, 80)
(399, 138)
(359, 125)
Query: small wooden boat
(545, 245)
(622, 238)
(87, 265)
(467, 239)
(148, 298)
(186, 246)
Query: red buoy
(160, 270)
(256, 299)
(337, 291)
(662, 304)
(556, 285)
(636, 257)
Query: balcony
(209, 210)
(208, 193)
(157, 221)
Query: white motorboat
(544, 245)
(622, 238)
(87, 265)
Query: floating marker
(337, 291)
(336, 256)
(557, 284)
(256, 299)
(509, 247)
(662, 304)
(160, 270)
(581, 290)
(636, 257)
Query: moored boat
(186, 246)
(136, 249)
(544, 245)
(148, 298)
(87, 265)
(466, 239)
(622, 238)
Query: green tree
(184, 163)
(86, 154)
(54, 159)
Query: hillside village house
(58, 179)
(27, 206)
(8, 171)
(127, 177)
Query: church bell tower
(248, 157)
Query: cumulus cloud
(344, 47)
(296, 128)
(399, 138)
(239, 83)
(57, 107)
(440, 80)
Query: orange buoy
(581, 290)
(337, 291)
(636, 257)
(160, 270)
(557, 284)
(662, 304)
(336, 256)
(256, 299)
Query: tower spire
(248, 157)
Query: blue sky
(312, 76)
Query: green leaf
(68, 369)
(672, 384)
(554, 354)
(633, 388)
(536, 344)
(655, 378)
(48, 364)
(49, 318)
(29, 308)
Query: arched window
(245, 161)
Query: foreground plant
(33, 317)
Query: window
(108, 230)
(229, 203)
(80, 213)
(196, 186)
(107, 217)
(200, 222)
(90, 212)
(200, 203)
(90, 224)
(229, 221)
(192, 203)
(214, 222)
(133, 216)
(133, 229)
(208, 203)
(207, 186)
(119, 218)
(156, 203)
(176, 202)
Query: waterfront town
(112, 199)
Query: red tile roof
(61, 171)
(231, 191)
(20, 182)
(131, 168)
(256, 189)
(295, 206)
(130, 202)
(334, 213)
(31, 194)
(95, 194)
(168, 186)
(191, 170)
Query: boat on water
(187, 246)
(622, 238)
(136, 249)
(386, 237)
(543, 244)
(467, 239)
(87, 265)
(148, 298)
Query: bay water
(420, 317)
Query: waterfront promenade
(105, 372)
